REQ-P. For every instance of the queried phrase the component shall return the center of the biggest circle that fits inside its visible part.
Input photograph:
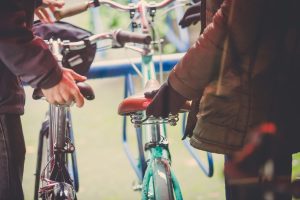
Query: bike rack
(106, 69)
(129, 90)
(207, 170)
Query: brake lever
(143, 51)
(116, 45)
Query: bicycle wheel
(72, 162)
(162, 181)
(42, 154)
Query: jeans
(12, 156)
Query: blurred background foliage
(112, 19)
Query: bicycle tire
(162, 181)
(73, 161)
(42, 154)
(75, 175)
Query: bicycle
(59, 177)
(156, 179)
(58, 181)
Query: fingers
(161, 113)
(46, 15)
(72, 91)
(181, 23)
(166, 101)
(64, 97)
(66, 91)
(57, 4)
(77, 77)
(157, 110)
(194, 18)
(59, 100)
(78, 98)
(196, 1)
(191, 19)
(43, 15)
(189, 16)
(68, 99)
(39, 15)
(76, 95)
(151, 94)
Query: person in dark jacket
(24, 57)
(245, 69)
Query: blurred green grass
(104, 170)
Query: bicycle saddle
(138, 102)
(85, 89)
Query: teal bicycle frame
(153, 133)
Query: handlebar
(123, 37)
(118, 36)
(79, 8)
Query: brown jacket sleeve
(25, 55)
(239, 23)
(195, 69)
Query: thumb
(150, 94)
(77, 77)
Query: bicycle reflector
(78, 60)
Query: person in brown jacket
(24, 57)
(245, 69)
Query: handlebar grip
(125, 36)
(71, 11)
(86, 90)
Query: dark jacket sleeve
(193, 72)
(239, 23)
(25, 55)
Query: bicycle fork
(159, 176)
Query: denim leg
(12, 156)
